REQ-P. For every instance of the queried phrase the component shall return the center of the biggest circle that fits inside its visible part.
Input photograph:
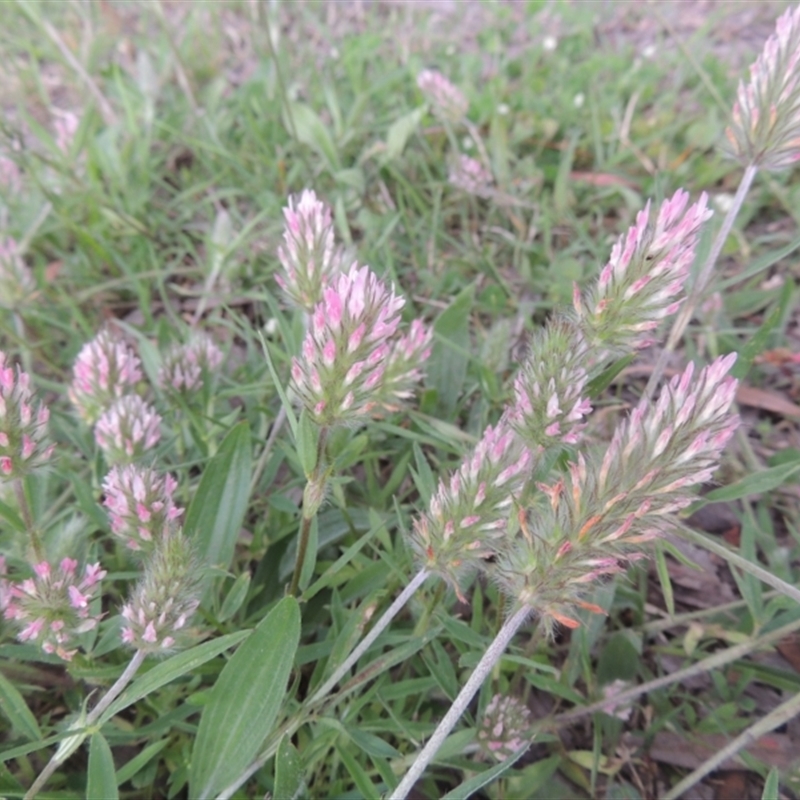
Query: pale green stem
(367, 641)
(59, 757)
(702, 281)
(702, 667)
(475, 681)
(742, 563)
(779, 716)
(27, 518)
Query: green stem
(302, 547)
(27, 518)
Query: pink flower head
(128, 429)
(644, 279)
(140, 505)
(339, 377)
(308, 255)
(406, 362)
(472, 177)
(186, 366)
(53, 608)
(165, 599)
(105, 370)
(23, 425)
(467, 518)
(506, 726)
(765, 126)
(447, 101)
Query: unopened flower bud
(448, 101)
(186, 367)
(468, 517)
(765, 127)
(644, 279)
(339, 376)
(52, 607)
(105, 370)
(157, 615)
(308, 254)
(140, 505)
(505, 727)
(23, 425)
(128, 429)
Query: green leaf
(311, 130)
(756, 344)
(245, 702)
(217, 511)
(289, 783)
(468, 788)
(16, 710)
(772, 785)
(357, 773)
(167, 671)
(763, 481)
(235, 597)
(307, 443)
(598, 385)
(101, 781)
(447, 367)
(400, 132)
(128, 770)
(664, 580)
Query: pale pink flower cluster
(23, 425)
(645, 276)
(53, 607)
(404, 368)
(601, 512)
(467, 519)
(309, 255)
(140, 505)
(549, 403)
(65, 125)
(185, 366)
(765, 129)
(448, 102)
(16, 278)
(157, 615)
(339, 377)
(505, 727)
(128, 429)
(472, 177)
(105, 370)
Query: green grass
(175, 199)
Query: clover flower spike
(604, 509)
(23, 425)
(467, 519)
(644, 279)
(765, 127)
(128, 429)
(405, 363)
(53, 607)
(448, 101)
(472, 177)
(157, 615)
(140, 505)
(339, 377)
(104, 371)
(308, 254)
(186, 366)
